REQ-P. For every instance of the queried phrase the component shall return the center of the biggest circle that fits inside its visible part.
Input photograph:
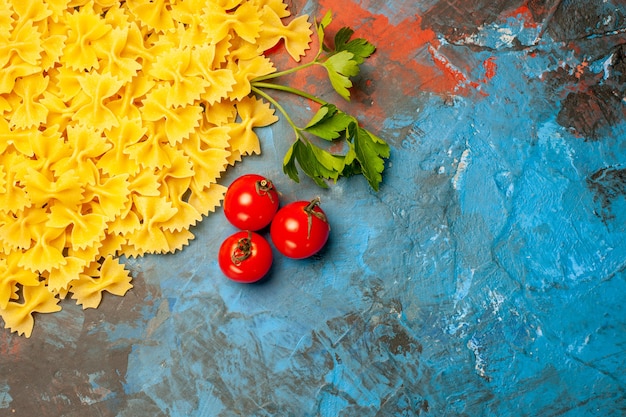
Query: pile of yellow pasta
(118, 118)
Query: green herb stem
(257, 90)
(285, 72)
(272, 86)
(366, 152)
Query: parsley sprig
(366, 152)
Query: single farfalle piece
(45, 18)
(43, 188)
(19, 232)
(253, 113)
(152, 212)
(98, 87)
(84, 229)
(173, 241)
(179, 122)
(47, 251)
(173, 67)
(176, 190)
(221, 83)
(18, 317)
(296, 34)
(174, 180)
(85, 29)
(29, 112)
(242, 21)
(112, 56)
(110, 276)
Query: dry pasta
(118, 119)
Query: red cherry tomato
(300, 229)
(245, 257)
(250, 202)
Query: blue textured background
(486, 278)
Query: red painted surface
(403, 42)
(490, 67)
(524, 14)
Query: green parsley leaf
(314, 161)
(331, 165)
(360, 48)
(371, 152)
(309, 163)
(349, 160)
(329, 123)
(365, 152)
(289, 163)
(342, 37)
(341, 66)
(321, 27)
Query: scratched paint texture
(486, 278)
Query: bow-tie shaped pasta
(37, 299)
(117, 121)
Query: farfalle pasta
(118, 119)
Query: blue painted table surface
(485, 278)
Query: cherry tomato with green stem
(300, 229)
(245, 257)
(250, 202)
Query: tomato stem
(243, 249)
(309, 209)
(263, 187)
